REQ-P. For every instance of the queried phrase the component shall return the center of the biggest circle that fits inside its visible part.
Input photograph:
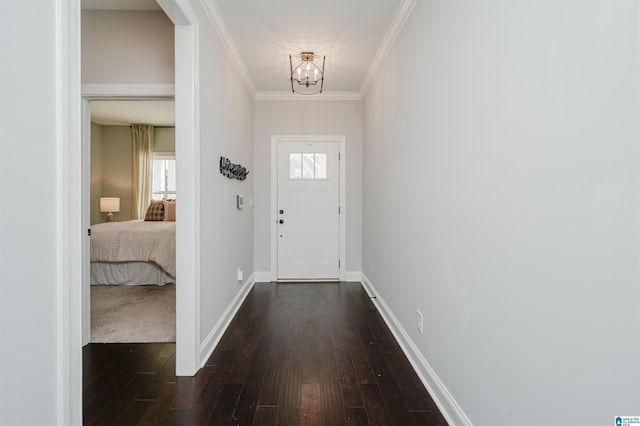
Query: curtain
(142, 161)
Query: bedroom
(132, 286)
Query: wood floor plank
(376, 411)
(358, 351)
(303, 353)
(248, 399)
(356, 416)
(223, 411)
(390, 393)
(208, 398)
(349, 385)
(310, 406)
(188, 388)
(266, 416)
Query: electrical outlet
(239, 275)
(419, 320)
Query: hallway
(312, 353)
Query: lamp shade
(109, 204)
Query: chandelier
(307, 75)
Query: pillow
(169, 210)
(155, 211)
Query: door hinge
(338, 263)
(338, 209)
(338, 156)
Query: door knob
(281, 221)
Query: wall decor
(232, 171)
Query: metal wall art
(232, 171)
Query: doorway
(132, 299)
(308, 208)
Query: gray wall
(501, 199)
(96, 174)
(28, 219)
(307, 118)
(127, 47)
(226, 126)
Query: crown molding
(128, 90)
(211, 8)
(400, 18)
(324, 96)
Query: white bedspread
(135, 240)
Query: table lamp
(109, 205)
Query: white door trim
(274, 195)
(70, 206)
(68, 214)
(187, 152)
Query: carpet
(133, 314)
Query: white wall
(127, 47)
(307, 118)
(226, 126)
(28, 298)
(501, 199)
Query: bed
(134, 252)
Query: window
(307, 165)
(163, 176)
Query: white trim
(400, 18)
(441, 396)
(124, 91)
(187, 151)
(187, 135)
(214, 15)
(85, 165)
(324, 96)
(216, 333)
(68, 214)
(274, 195)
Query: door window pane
(308, 165)
(295, 165)
(320, 166)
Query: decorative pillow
(155, 211)
(169, 210)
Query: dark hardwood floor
(295, 354)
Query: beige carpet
(133, 314)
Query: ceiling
(354, 35)
(123, 113)
(348, 32)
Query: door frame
(71, 202)
(274, 195)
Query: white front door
(308, 228)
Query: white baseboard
(266, 276)
(213, 338)
(441, 396)
(263, 277)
